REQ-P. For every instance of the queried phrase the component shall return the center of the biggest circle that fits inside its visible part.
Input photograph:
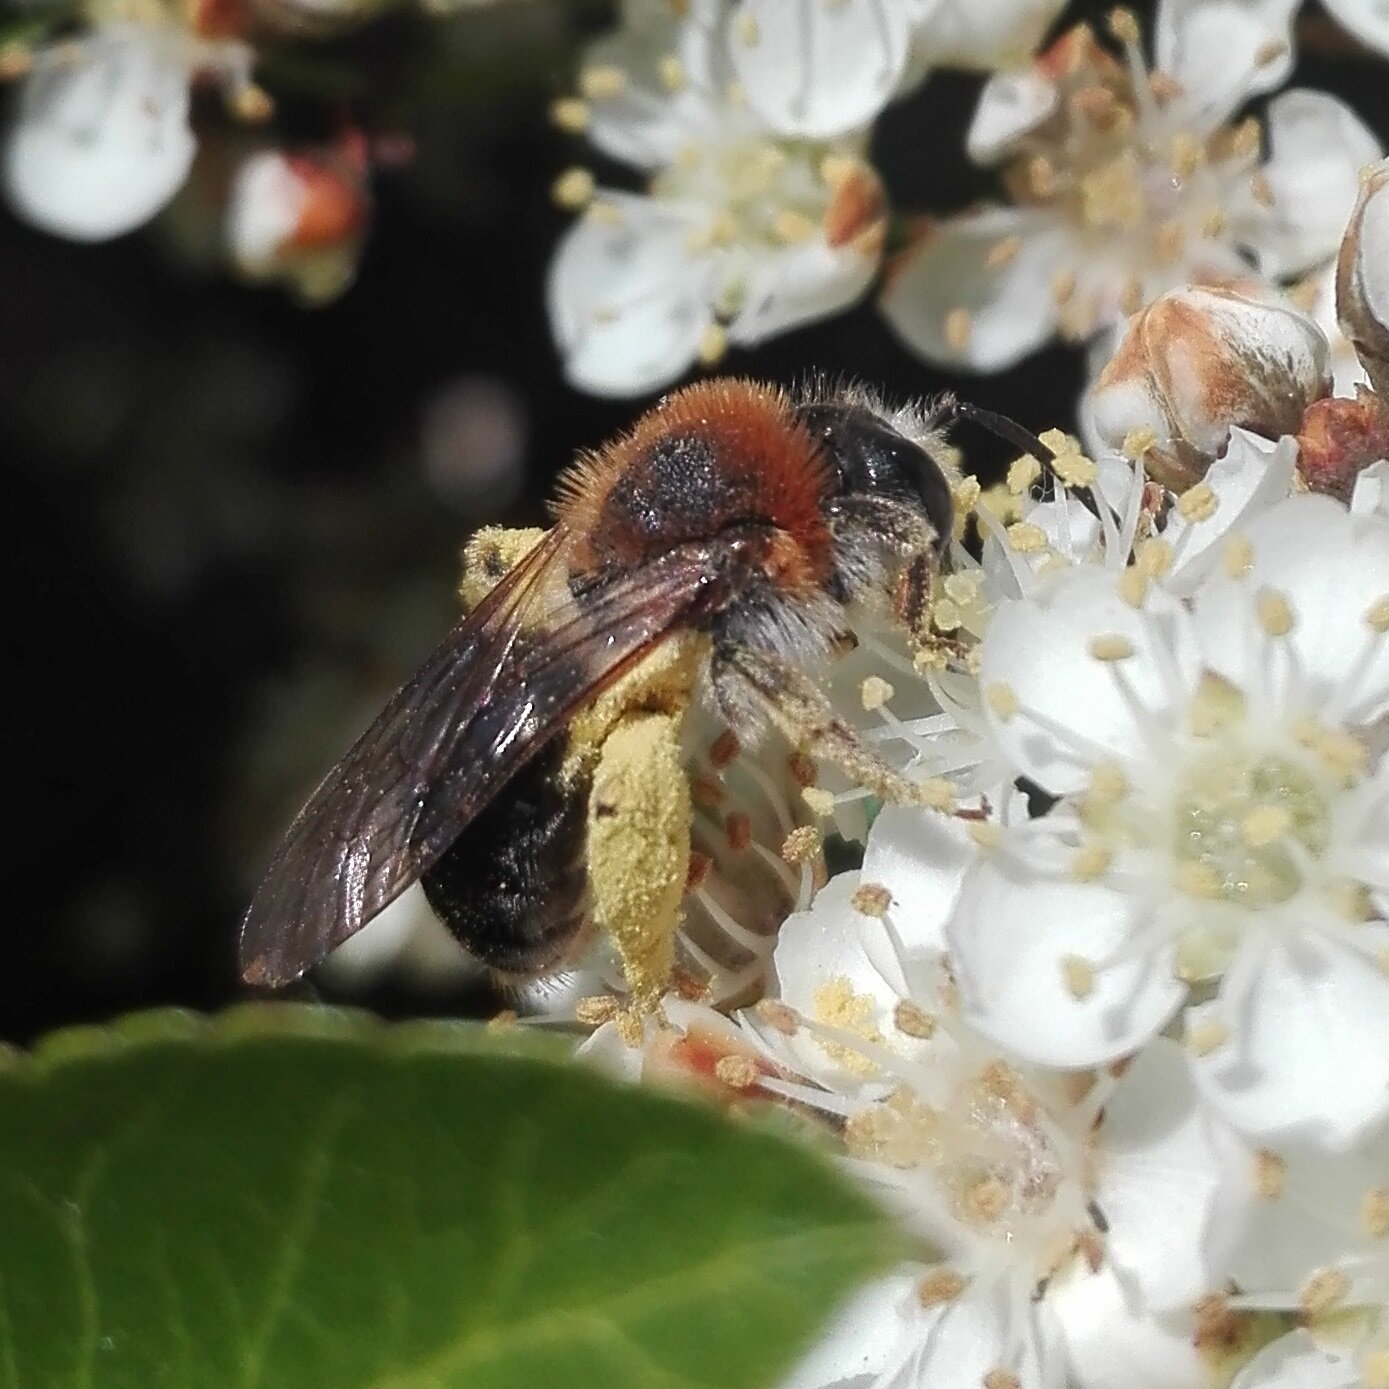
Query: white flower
(1071, 1213)
(1222, 821)
(745, 229)
(1126, 183)
(103, 139)
(297, 218)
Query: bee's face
(872, 459)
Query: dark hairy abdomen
(511, 886)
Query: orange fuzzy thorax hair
(710, 455)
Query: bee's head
(871, 459)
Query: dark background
(221, 546)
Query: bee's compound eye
(873, 459)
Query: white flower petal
(1308, 1050)
(818, 70)
(1371, 495)
(628, 304)
(1248, 478)
(1317, 147)
(984, 34)
(1332, 567)
(1009, 939)
(1173, 1183)
(103, 140)
(945, 285)
(1112, 1339)
(1296, 1361)
(799, 284)
(860, 1338)
(1011, 104)
(1218, 50)
(1074, 709)
(921, 858)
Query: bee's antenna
(952, 408)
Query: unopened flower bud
(1196, 363)
(1362, 277)
(1341, 437)
(298, 218)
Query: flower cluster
(104, 138)
(1112, 1039)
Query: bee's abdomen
(511, 887)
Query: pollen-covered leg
(639, 817)
(750, 683)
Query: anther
(1238, 558)
(1022, 473)
(747, 29)
(737, 1072)
(573, 189)
(1270, 1174)
(939, 1286)
(779, 1016)
(1323, 1292)
(597, 1009)
(570, 114)
(1202, 1038)
(875, 692)
(1377, 615)
(912, 1020)
(1091, 861)
(1079, 974)
(602, 83)
(871, 899)
(1110, 647)
(1026, 538)
(1274, 613)
(958, 327)
(1002, 700)
(801, 845)
(1197, 503)
(1003, 252)
(1374, 1212)
(737, 830)
(723, 750)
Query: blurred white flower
(103, 138)
(298, 218)
(1222, 819)
(745, 230)
(1126, 182)
(1368, 20)
(1075, 1216)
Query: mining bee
(530, 774)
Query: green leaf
(300, 1197)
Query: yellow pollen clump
(871, 899)
(1091, 861)
(748, 30)
(570, 114)
(1137, 442)
(1001, 1378)
(1238, 558)
(801, 845)
(792, 227)
(1197, 503)
(1133, 586)
(801, 769)
(1057, 441)
(1323, 1291)
(1204, 1037)
(1063, 287)
(838, 1005)
(912, 1020)
(1186, 154)
(1274, 613)
(1374, 1212)
(1377, 615)
(946, 615)
(1341, 753)
(1075, 469)
(1026, 538)
(1123, 24)
(1153, 557)
(1022, 473)
(935, 793)
(985, 834)
(1265, 824)
(602, 83)
(598, 1009)
(821, 802)
(603, 214)
(940, 1285)
(1041, 177)
(672, 73)
(1270, 1174)
(1002, 700)
(958, 327)
(875, 692)
(1112, 196)
(1003, 252)
(1261, 190)
(779, 1016)
(1215, 707)
(1111, 646)
(1108, 784)
(987, 1199)
(1197, 880)
(1079, 975)
(713, 344)
(737, 1072)
(1214, 222)
(573, 189)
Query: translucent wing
(494, 692)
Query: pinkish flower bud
(298, 218)
(1196, 363)
(1362, 277)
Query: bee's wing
(499, 686)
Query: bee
(530, 774)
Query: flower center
(1238, 824)
(1132, 166)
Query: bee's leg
(639, 817)
(752, 682)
